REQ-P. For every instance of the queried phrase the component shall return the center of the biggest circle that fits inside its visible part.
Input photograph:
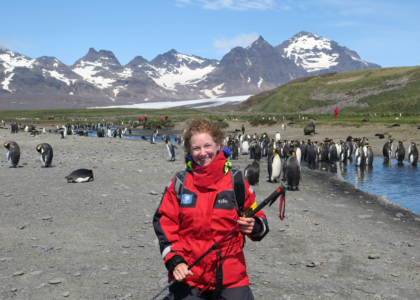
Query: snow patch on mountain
(168, 78)
(311, 52)
(58, 76)
(11, 60)
(6, 82)
(88, 69)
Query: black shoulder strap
(179, 180)
(238, 183)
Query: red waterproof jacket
(205, 213)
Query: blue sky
(385, 32)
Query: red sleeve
(166, 224)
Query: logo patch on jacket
(186, 199)
(225, 200)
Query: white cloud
(12, 43)
(244, 40)
(231, 4)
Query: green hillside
(371, 90)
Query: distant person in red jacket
(187, 224)
(145, 118)
(141, 119)
(336, 113)
(166, 117)
(160, 118)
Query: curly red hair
(202, 125)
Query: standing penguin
(360, 156)
(234, 150)
(245, 147)
(12, 153)
(153, 138)
(278, 136)
(171, 150)
(252, 173)
(45, 154)
(312, 154)
(350, 146)
(80, 175)
(243, 128)
(293, 172)
(387, 150)
(400, 152)
(369, 156)
(274, 165)
(413, 154)
(333, 153)
(257, 151)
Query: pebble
(47, 218)
(55, 281)
(23, 225)
(399, 215)
(24, 163)
(38, 272)
(362, 217)
(374, 256)
(282, 229)
(13, 289)
(66, 294)
(153, 192)
(126, 245)
(7, 195)
(77, 274)
(47, 248)
(18, 273)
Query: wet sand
(96, 239)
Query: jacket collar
(209, 175)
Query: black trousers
(183, 291)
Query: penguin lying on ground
(45, 154)
(12, 153)
(80, 175)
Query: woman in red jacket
(189, 223)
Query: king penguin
(171, 150)
(12, 153)
(245, 147)
(274, 165)
(400, 152)
(45, 154)
(312, 154)
(293, 172)
(369, 156)
(387, 150)
(360, 156)
(252, 173)
(80, 175)
(413, 154)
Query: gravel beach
(95, 240)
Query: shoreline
(104, 246)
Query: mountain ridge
(172, 75)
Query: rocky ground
(96, 241)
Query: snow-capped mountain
(99, 79)
(250, 70)
(320, 55)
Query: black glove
(174, 261)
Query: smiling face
(203, 148)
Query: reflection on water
(398, 181)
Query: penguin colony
(283, 157)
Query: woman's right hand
(181, 272)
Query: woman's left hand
(246, 224)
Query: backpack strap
(238, 183)
(179, 180)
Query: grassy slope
(295, 95)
